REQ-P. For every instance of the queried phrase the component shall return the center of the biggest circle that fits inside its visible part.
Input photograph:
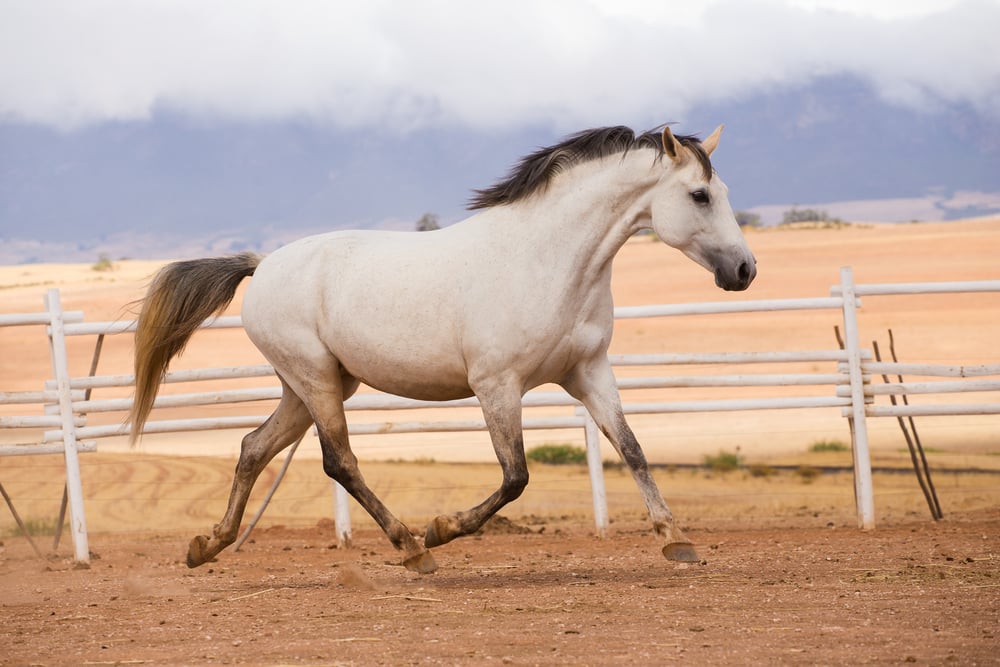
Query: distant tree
(747, 219)
(806, 215)
(428, 222)
(103, 263)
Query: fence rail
(66, 401)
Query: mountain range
(177, 185)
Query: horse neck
(593, 208)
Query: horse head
(691, 212)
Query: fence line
(853, 393)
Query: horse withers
(515, 296)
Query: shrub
(807, 473)
(829, 446)
(557, 454)
(44, 526)
(103, 263)
(723, 461)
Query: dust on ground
(536, 591)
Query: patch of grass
(557, 454)
(761, 470)
(807, 473)
(829, 446)
(45, 526)
(723, 461)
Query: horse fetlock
(669, 531)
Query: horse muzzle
(736, 276)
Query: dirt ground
(552, 595)
(786, 578)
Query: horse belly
(422, 374)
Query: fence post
(596, 468)
(341, 515)
(863, 492)
(74, 487)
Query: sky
(484, 65)
(96, 87)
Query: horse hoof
(198, 551)
(433, 537)
(681, 551)
(422, 563)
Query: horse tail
(181, 297)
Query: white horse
(516, 296)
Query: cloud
(483, 65)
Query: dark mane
(534, 172)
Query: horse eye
(700, 196)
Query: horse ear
(670, 145)
(712, 141)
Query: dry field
(786, 579)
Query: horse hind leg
(288, 422)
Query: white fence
(849, 378)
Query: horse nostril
(743, 273)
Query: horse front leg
(288, 422)
(340, 464)
(503, 418)
(594, 386)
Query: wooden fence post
(341, 514)
(596, 468)
(863, 491)
(74, 487)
